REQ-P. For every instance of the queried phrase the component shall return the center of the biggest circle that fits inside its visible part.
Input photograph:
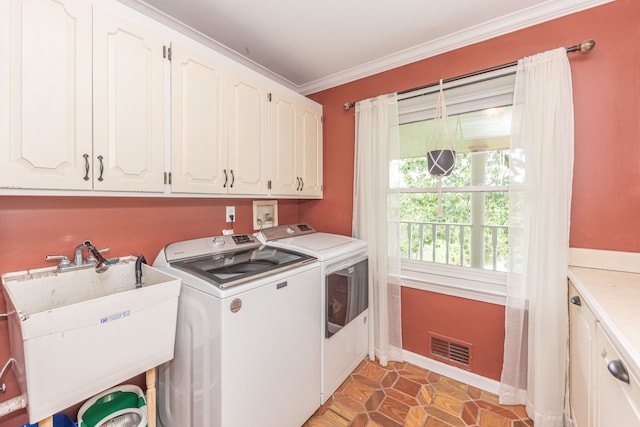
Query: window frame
(460, 281)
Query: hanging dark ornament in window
(441, 162)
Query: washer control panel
(209, 246)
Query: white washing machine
(345, 296)
(246, 351)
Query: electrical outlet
(231, 214)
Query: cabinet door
(582, 326)
(617, 402)
(247, 158)
(285, 130)
(310, 153)
(45, 94)
(128, 148)
(198, 123)
(296, 147)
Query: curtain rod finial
(348, 105)
(587, 45)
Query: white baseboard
(475, 380)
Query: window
(467, 247)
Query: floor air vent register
(451, 351)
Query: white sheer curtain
(374, 212)
(541, 162)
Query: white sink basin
(77, 333)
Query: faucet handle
(92, 258)
(64, 260)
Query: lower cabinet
(617, 397)
(582, 332)
(603, 392)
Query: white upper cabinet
(219, 121)
(284, 128)
(128, 143)
(247, 156)
(87, 91)
(198, 136)
(296, 146)
(45, 94)
(87, 100)
(309, 156)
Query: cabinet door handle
(298, 186)
(101, 168)
(86, 166)
(618, 370)
(233, 178)
(301, 184)
(575, 300)
(226, 178)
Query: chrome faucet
(94, 259)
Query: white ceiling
(314, 46)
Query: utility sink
(78, 333)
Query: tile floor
(402, 394)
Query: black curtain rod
(585, 46)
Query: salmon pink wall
(32, 227)
(606, 88)
(458, 318)
(606, 184)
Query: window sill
(463, 282)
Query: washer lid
(323, 246)
(321, 241)
(233, 268)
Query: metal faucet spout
(77, 253)
(102, 264)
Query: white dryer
(345, 297)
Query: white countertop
(614, 298)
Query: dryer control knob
(218, 241)
(290, 230)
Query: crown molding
(146, 9)
(547, 11)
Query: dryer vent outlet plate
(265, 214)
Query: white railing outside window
(464, 245)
